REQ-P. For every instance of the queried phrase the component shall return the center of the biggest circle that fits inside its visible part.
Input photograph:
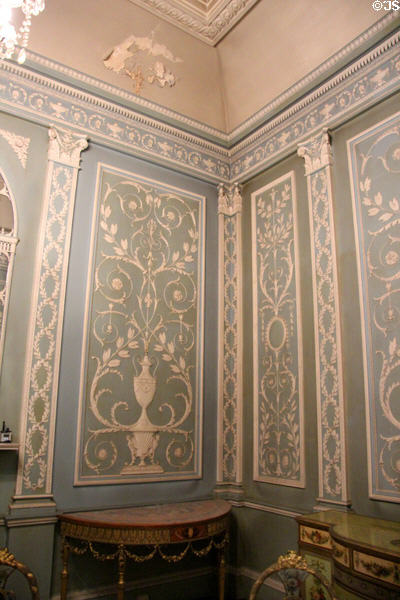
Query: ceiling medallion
(208, 20)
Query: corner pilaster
(34, 479)
(230, 343)
(332, 454)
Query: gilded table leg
(64, 571)
(121, 572)
(221, 573)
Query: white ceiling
(208, 20)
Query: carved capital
(229, 199)
(65, 146)
(317, 152)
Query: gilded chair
(293, 571)
(9, 566)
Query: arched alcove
(8, 243)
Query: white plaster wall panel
(374, 163)
(278, 44)
(144, 325)
(81, 38)
(332, 454)
(277, 336)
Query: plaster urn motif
(144, 436)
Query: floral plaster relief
(138, 58)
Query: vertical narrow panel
(142, 371)
(278, 365)
(229, 470)
(328, 347)
(44, 342)
(374, 161)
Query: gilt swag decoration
(142, 386)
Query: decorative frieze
(43, 358)
(374, 76)
(36, 97)
(230, 344)
(374, 165)
(330, 397)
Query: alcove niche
(8, 244)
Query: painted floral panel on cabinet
(141, 383)
(374, 161)
(277, 349)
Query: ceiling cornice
(208, 21)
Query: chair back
(9, 567)
(293, 570)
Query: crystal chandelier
(10, 38)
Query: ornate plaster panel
(43, 358)
(230, 387)
(277, 347)
(328, 348)
(208, 20)
(141, 387)
(374, 160)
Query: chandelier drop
(12, 40)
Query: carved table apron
(195, 526)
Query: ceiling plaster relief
(208, 20)
(137, 57)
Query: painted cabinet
(359, 555)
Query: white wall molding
(34, 479)
(230, 339)
(332, 454)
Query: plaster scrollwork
(278, 371)
(374, 158)
(18, 143)
(230, 335)
(143, 326)
(43, 357)
(330, 397)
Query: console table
(359, 555)
(140, 533)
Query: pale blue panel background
(67, 496)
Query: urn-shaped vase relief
(143, 436)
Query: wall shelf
(9, 446)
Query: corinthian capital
(316, 152)
(65, 146)
(229, 199)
